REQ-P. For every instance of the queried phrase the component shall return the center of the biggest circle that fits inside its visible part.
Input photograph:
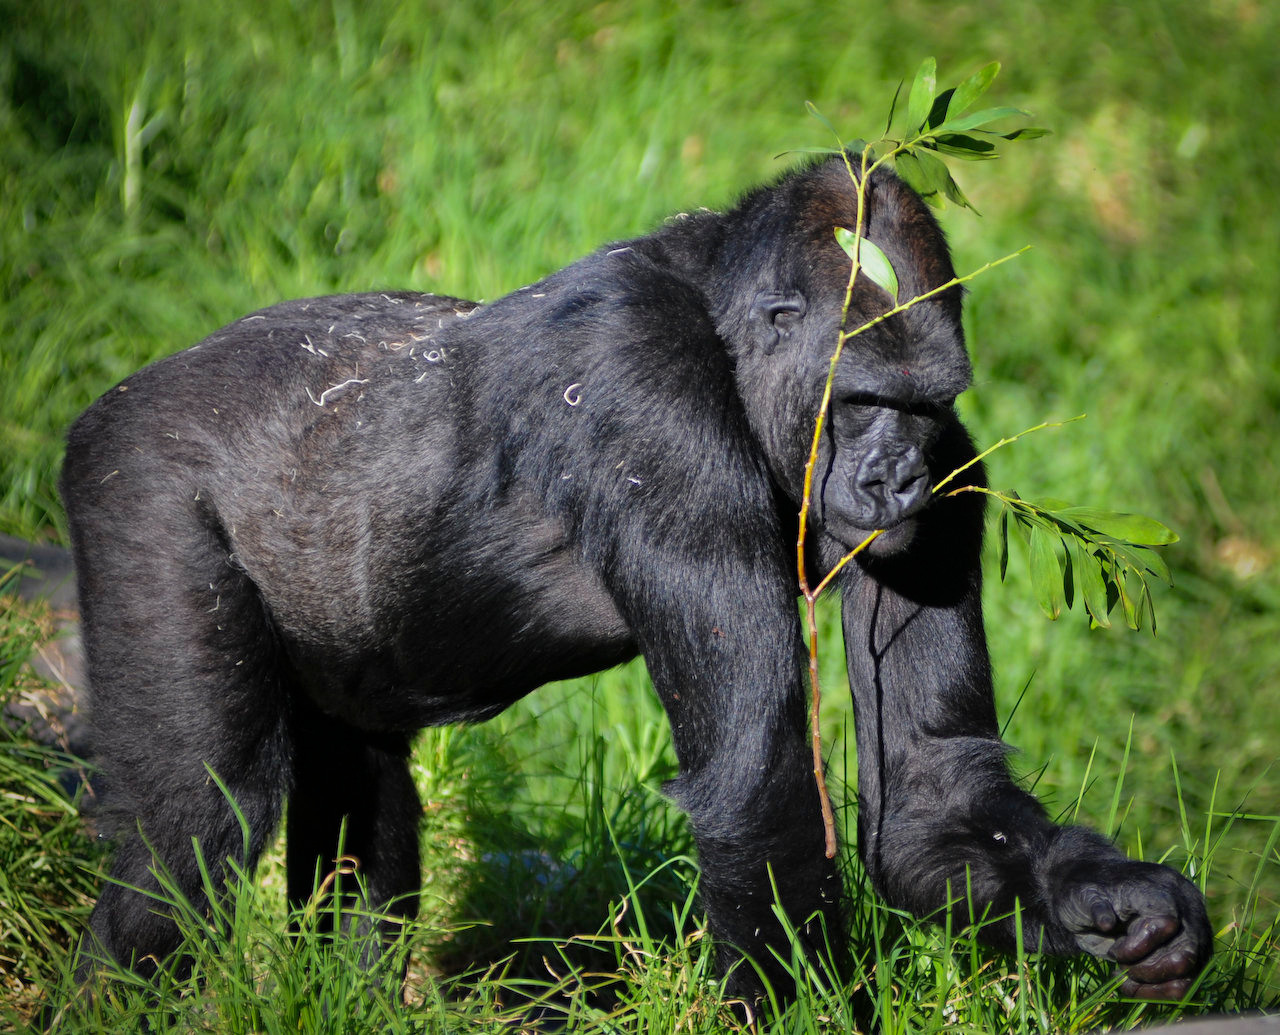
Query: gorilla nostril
(912, 486)
(909, 476)
(892, 485)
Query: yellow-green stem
(811, 594)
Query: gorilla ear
(774, 315)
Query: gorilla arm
(942, 825)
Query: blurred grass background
(167, 167)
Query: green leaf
(1127, 603)
(1089, 577)
(1002, 541)
(1046, 573)
(876, 265)
(938, 113)
(921, 178)
(871, 260)
(1142, 558)
(932, 171)
(829, 151)
(812, 109)
(955, 195)
(1151, 606)
(979, 118)
(964, 96)
(1021, 525)
(922, 90)
(1135, 597)
(847, 240)
(966, 148)
(1117, 530)
(906, 166)
(893, 108)
(1028, 133)
(929, 177)
(1137, 529)
(1127, 528)
(1068, 575)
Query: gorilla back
(336, 521)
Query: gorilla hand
(1146, 917)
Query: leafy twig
(1105, 553)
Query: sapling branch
(911, 302)
(811, 593)
(1107, 552)
(1003, 442)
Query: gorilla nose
(894, 485)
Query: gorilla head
(892, 426)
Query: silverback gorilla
(337, 521)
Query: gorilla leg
(186, 682)
(342, 774)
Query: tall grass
(165, 168)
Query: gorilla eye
(864, 406)
(857, 413)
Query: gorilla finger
(1088, 909)
(1175, 963)
(1144, 937)
(1164, 991)
(1103, 915)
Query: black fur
(339, 520)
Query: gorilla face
(891, 429)
(880, 475)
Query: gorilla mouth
(896, 538)
(893, 532)
(885, 492)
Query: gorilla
(337, 521)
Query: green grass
(166, 168)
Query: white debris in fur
(324, 396)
